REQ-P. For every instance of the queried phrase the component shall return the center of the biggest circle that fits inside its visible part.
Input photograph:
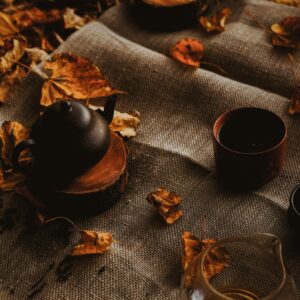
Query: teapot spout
(109, 108)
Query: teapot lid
(66, 115)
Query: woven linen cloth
(173, 148)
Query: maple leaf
(216, 22)
(9, 80)
(295, 102)
(216, 260)
(287, 33)
(166, 203)
(188, 51)
(74, 77)
(7, 27)
(12, 49)
(92, 242)
(289, 2)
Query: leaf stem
(63, 218)
(30, 69)
(213, 65)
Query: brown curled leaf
(92, 242)
(295, 103)
(216, 260)
(71, 76)
(166, 203)
(188, 51)
(287, 33)
(11, 50)
(7, 27)
(216, 22)
(126, 123)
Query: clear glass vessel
(255, 271)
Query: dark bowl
(293, 213)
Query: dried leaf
(36, 55)
(216, 22)
(287, 33)
(73, 77)
(72, 20)
(28, 17)
(295, 103)
(289, 2)
(188, 51)
(10, 180)
(166, 203)
(7, 27)
(10, 80)
(93, 242)
(11, 133)
(12, 50)
(216, 260)
(126, 124)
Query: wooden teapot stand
(96, 190)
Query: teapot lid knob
(66, 106)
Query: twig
(30, 69)
(213, 65)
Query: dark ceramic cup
(249, 147)
(293, 213)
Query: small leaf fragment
(216, 22)
(287, 33)
(295, 103)
(188, 51)
(126, 123)
(74, 77)
(166, 203)
(93, 242)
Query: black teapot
(67, 139)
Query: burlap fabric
(178, 106)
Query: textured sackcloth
(178, 106)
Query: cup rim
(292, 200)
(215, 133)
(241, 238)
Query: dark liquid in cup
(251, 131)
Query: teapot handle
(109, 107)
(17, 151)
